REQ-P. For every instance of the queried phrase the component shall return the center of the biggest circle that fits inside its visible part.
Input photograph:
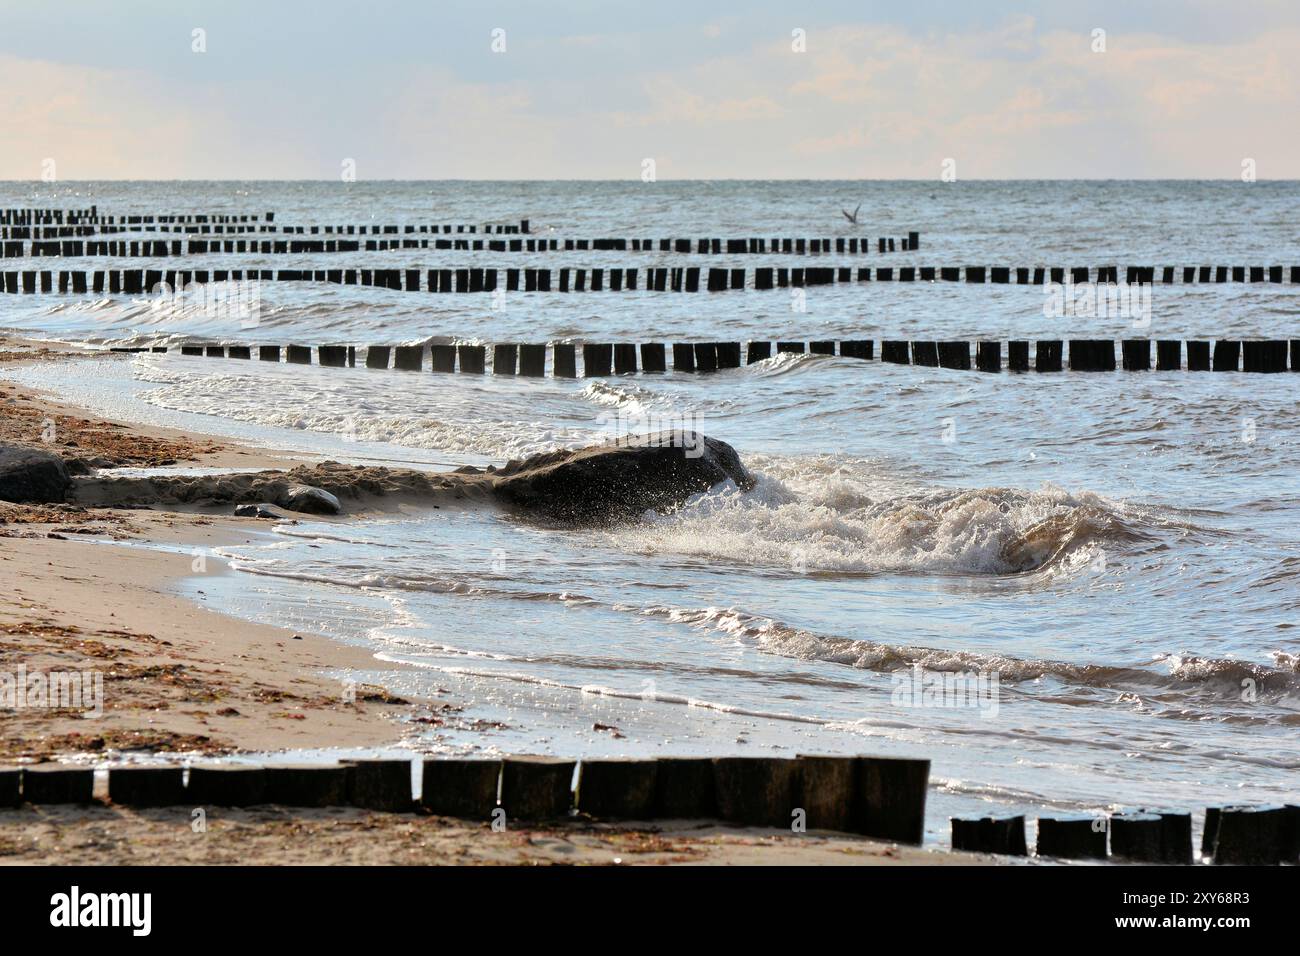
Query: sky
(570, 89)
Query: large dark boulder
(620, 480)
(32, 475)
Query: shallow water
(1117, 549)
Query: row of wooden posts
(657, 279)
(602, 360)
(207, 225)
(1255, 835)
(15, 248)
(878, 797)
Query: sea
(1070, 592)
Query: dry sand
(276, 835)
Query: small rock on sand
(309, 500)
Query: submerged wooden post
(988, 356)
(505, 358)
(532, 360)
(1047, 356)
(442, 358)
(653, 357)
(597, 360)
(472, 358)
(1169, 355)
(408, 358)
(566, 360)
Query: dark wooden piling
(1252, 836)
(226, 785)
(336, 356)
(10, 786)
(532, 360)
(1047, 355)
(988, 356)
(380, 785)
(925, 354)
(1198, 356)
(537, 788)
(306, 785)
(653, 357)
(472, 358)
(146, 786)
(1072, 838)
(268, 353)
(1137, 354)
(215, 351)
(1175, 838)
(624, 359)
(377, 356)
(756, 791)
(442, 358)
(597, 360)
(1227, 356)
(683, 357)
(1092, 355)
(684, 789)
(1136, 836)
(864, 349)
(827, 791)
(505, 358)
(954, 355)
(1004, 835)
(58, 784)
(191, 350)
(728, 354)
(460, 787)
(894, 352)
(298, 354)
(1169, 355)
(706, 357)
(617, 789)
(408, 358)
(891, 793)
(821, 348)
(1265, 356)
(566, 360)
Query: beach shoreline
(173, 692)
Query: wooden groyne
(1253, 835)
(617, 279)
(599, 360)
(878, 797)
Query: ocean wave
(1221, 678)
(826, 516)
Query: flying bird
(853, 218)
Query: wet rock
(308, 499)
(32, 475)
(621, 480)
(263, 510)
